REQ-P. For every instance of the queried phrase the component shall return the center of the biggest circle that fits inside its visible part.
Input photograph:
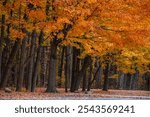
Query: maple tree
(112, 32)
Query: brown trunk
(60, 69)
(52, 67)
(95, 77)
(43, 66)
(1, 41)
(90, 77)
(120, 80)
(31, 63)
(98, 75)
(79, 77)
(84, 81)
(9, 64)
(21, 66)
(128, 81)
(68, 68)
(75, 68)
(35, 72)
(106, 79)
(147, 78)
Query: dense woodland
(74, 44)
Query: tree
(115, 32)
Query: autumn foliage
(115, 33)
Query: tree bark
(1, 41)
(98, 75)
(79, 77)
(120, 80)
(31, 63)
(128, 81)
(134, 84)
(90, 77)
(35, 72)
(52, 67)
(60, 69)
(21, 66)
(75, 68)
(68, 68)
(95, 76)
(147, 78)
(9, 64)
(84, 81)
(43, 66)
(106, 79)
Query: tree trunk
(95, 76)
(147, 78)
(131, 82)
(5, 56)
(75, 68)
(31, 63)
(120, 80)
(79, 77)
(1, 41)
(135, 80)
(90, 77)
(43, 66)
(98, 75)
(9, 64)
(35, 72)
(128, 81)
(60, 69)
(68, 68)
(52, 67)
(21, 66)
(84, 81)
(106, 79)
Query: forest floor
(95, 94)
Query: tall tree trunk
(90, 77)
(21, 66)
(124, 81)
(84, 81)
(35, 72)
(52, 67)
(75, 68)
(9, 64)
(79, 77)
(128, 81)
(14, 75)
(106, 75)
(60, 68)
(148, 84)
(51, 87)
(95, 76)
(131, 82)
(98, 75)
(68, 68)
(1, 41)
(31, 63)
(147, 78)
(135, 80)
(43, 66)
(5, 56)
(120, 80)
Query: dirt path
(94, 94)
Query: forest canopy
(74, 43)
